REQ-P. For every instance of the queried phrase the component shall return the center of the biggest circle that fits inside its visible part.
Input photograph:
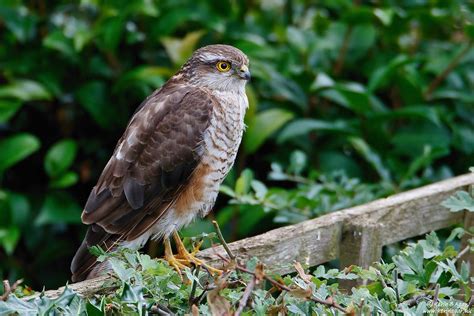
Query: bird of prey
(168, 165)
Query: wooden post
(469, 256)
(361, 245)
(468, 223)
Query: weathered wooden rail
(355, 235)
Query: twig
(7, 289)
(193, 289)
(329, 303)
(161, 310)
(222, 240)
(435, 296)
(462, 253)
(471, 302)
(414, 300)
(437, 81)
(395, 282)
(245, 296)
(343, 51)
(381, 278)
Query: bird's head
(220, 67)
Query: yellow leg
(172, 260)
(187, 258)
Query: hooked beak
(244, 73)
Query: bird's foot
(171, 259)
(189, 259)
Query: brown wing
(151, 163)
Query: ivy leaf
(460, 201)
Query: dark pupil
(224, 66)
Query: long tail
(84, 265)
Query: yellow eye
(223, 66)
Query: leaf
(59, 157)
(9, 238)
(322, 81)
(65, 180)
(131, 294)
(353, 96)
(298, 162)
(362, 39)
(24, 90)
(422, 111)
(424, 160)
(93, 97)
(59, 42)
(259, 188)
(180, 49)
(120, 268)
(58, 208)
(412, 139)
(302, 127)
(15, 305)
(242, 185)
(19, 209)
(381, 75)
(460, 201)
(111, 30)
(217, 303)
(20, 21)
(142, 75)
(16, 148)
(262, 126)
(458, 232)
(371, 157)
(8, 108)
(469, 30)
(385, 15)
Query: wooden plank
(317, 241)
(401, 216)
(86, 288)
(310, 243)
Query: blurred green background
(350, 101)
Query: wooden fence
(355, 235)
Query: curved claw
(189, 258)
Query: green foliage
(422, 278)
(359, 87)
(308, 197)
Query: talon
(190, 258)
(171, 259)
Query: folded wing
(151, 163)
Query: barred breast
(222, 140)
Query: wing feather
(152, 161)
